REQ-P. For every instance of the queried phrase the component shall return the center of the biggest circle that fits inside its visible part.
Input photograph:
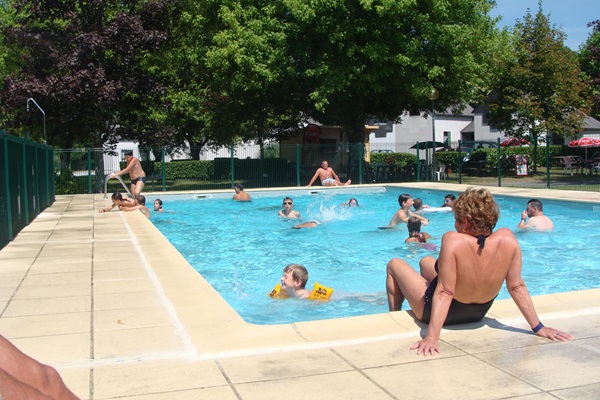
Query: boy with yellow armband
(293, 284)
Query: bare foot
(348, 182)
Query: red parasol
(585, 142)
(514, 142)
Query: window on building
(447, 138)
(123, 151)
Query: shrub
(187, 169)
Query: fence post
(36, 181)
(547, 163)
(297, 165)
(232, 165)
(89, 165)
(47, 149)
(460, 163)
(418, 164)
(8, 196)
(361, 159)
(24, 200)
(163, 171)
(499, 166)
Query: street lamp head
(434, 94)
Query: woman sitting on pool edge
(462, 284)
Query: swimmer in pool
(404, 213)
(537, 219)
(448, 200)
(118, 201)
(240, 195)
(293, 281)
(414, 231)
(418, 205)
(350, 203)
(310, 224)
(461, 285)
(158, 205)
(287, 211)
(141, 200)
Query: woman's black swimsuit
(459, 313)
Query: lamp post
(433, 96)
(43, 113)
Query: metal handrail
(120, 180)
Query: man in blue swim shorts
(328, 176)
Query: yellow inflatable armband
(320, 292)
(276, 292)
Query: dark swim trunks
(136, 180)
(459, 313)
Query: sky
(570, 16)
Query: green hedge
(189, 169)
(399, 159)
(220, 168)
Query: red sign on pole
(311, 133)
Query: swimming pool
(241, 248)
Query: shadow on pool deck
(110, 303)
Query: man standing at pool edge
(136, 173)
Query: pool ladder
(120, 180)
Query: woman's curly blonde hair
(479, 208)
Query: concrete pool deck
(111, 304)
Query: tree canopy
(541, 89)
(83, 62)
(590, 64)
(212, 73)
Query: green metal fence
(85, 170)
(26, 183)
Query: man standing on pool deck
(537, 219)
(328, 176)
(136, 173)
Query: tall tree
(346, 61)
(541, 90)
(83, 62)
(231, 76)
(589, 57)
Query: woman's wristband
(537, 328)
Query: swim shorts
(324, 182)
(136, 180)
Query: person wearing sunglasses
(449, 200)
(287, 211)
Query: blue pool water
(241, 248)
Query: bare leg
(133, 189)
(14, 389)
(349, 181)
(20, 371)
(403, 282)
(427, 265)
(139, 186)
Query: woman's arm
(520, 294)
(442, 297)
